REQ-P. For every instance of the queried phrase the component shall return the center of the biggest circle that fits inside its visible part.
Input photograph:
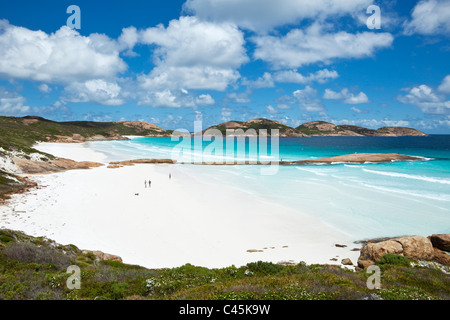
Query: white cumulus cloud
(98, 91)
(347, 96)
(429, 17)
(205, 100)
(12, 104)
(445, 85)
(264, 15)
(293, 76)
(307, 99)
(426, 99)
(194, 54)
(62, 56)
(302, 47)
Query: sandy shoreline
(176, 221)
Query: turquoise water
(363, 200)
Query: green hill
(22, 133)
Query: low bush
(265, 268)
(394, 259)
(27, 253)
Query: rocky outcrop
(142, 126)
(399, 131)
(78, 138)
(119, 164)
(322, 128)
(50, 166)
(441, 257)
(359, 158)
(441, 241)
(101, 256)
(347, 262)
(256, 125)
(413, 247)
(350, 158)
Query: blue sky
(172, 62)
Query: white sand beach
(177, 221)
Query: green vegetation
(265, 124)
(259, 124)
(9, 184)
(393, 259)
(19, 134)
(313, 130)
(35, 268)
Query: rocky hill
(256, 124)
(322, 128)
(315, 128)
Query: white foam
(440, 197)
(408, 176)
(316, 172)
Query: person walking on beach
(145, 183)
(170, 176)
(149, 183)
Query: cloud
(98, 91)
(128, 39)
(308, 101)
(429, 17)
(265, 81)
(166, 98)
(12, 104)
(445, 85)
(283, 106)
(205, 100)
(239, 97)
(44, 88)
(226, 114)
(434, 123)
(97, 117)
(194, 54)
(293, 76)
(359, 111)
(426, 100)
(271, 110)
(264, 15)
(348, 97)
(302, 47)
(63, 56)
(373, 123)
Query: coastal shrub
(5, 238)
(231, 272)
(28, 253)
(243, 295)
(265, 268)
(405, 294)
(394, 259)
(109, 290)
(114, 264)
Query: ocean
(362, 200)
